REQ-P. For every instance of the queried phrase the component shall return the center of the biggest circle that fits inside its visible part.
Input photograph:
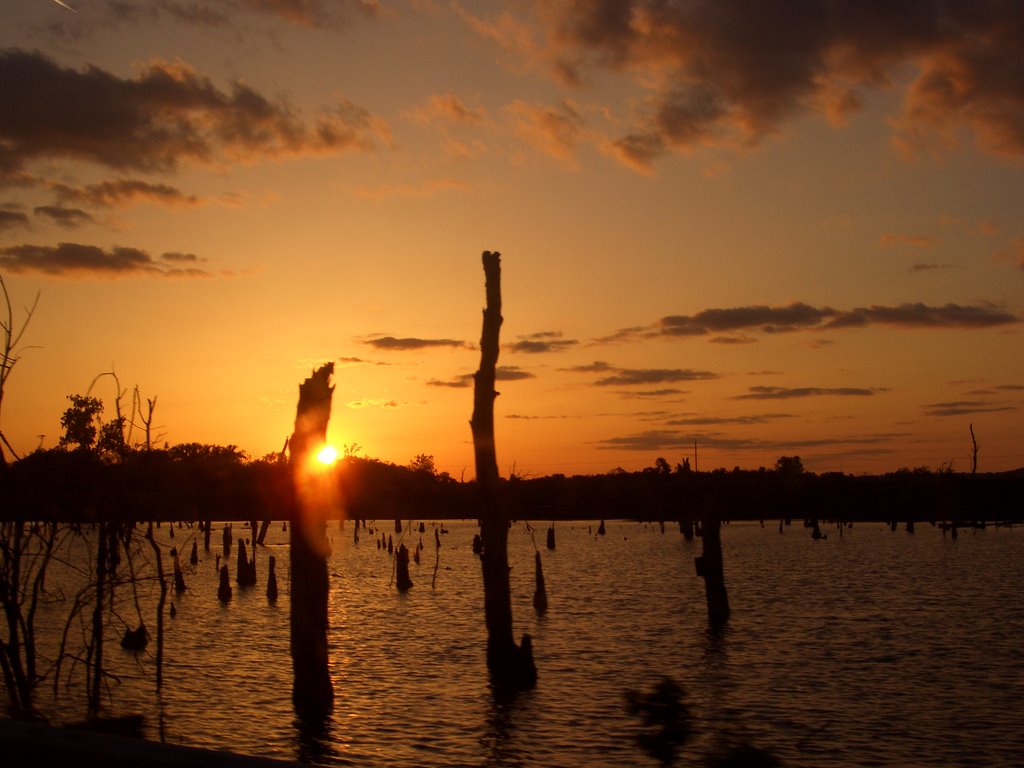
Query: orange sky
(764, 231)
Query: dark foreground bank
(30, 745)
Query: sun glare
(327, 455)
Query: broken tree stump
(311, 502)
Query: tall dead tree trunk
(312, 691)
(510, 665)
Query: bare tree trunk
(312, 691)
(709, 565)
(511, 666)
(162, 580)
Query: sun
(327, 455)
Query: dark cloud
(636, 376)
(709, 421)
(667, 439)
(763, 318)
(598, 366)
(543, 341)
(965, 408)
(922, 316)
(653, 393)
(12, 216)
(124, 192)
(790, 393)
(734, 73)
(75, 260)
(501, 373)
(65, 218)
(511, 373)
(165, 115)
(803, 317)
(630, 376)
(928, 267)
(458, 383)
(392, 343)
(181, 258)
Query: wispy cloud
(791, 393)
(929, 267)
(122, 193)
(668, 439)
(710, 421)
(447, 107)
(65, 218)
(804, 317)
(965, 408)
(12, 217)
(408, 343)
(555, 131)
(638, 376)
(501, 373)
(77, 260)
(542, 341)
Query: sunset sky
(762, 228)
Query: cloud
(631, 376)
(653, 393)
(929, 267)
(12, 216)
(65, 218)
(74, 260)
(598, 366)
(965, 408)
(667, 439)
(789, 393)
(501, 373)
(165, 115)
(922, 316)
(122, 193)
(707, 421)
(448, 107)
(763, 318)
(181, 258)
(915, 241)
(638, 376)
(803, 317)
(732, 340)
(542, 341)
(734, 74)
(555, 131)
(406, 344)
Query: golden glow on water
(870, 647)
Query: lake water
(870, 648)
